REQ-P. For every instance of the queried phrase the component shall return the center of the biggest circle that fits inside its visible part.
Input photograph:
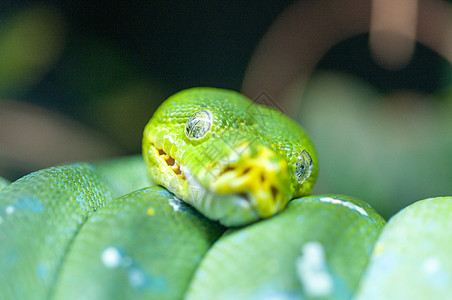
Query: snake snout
(260, 177)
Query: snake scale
(110, 231)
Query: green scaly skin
(280, 258)
(242, 169)
(66, 234)
(412, 256)
(41, 213)
(71, 235)
(144, 245)
(107, 232)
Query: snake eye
(303, 168)
(198, 124)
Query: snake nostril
(246, 170)
(274, 192)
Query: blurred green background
(80, 79)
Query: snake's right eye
(303, 168)
(198, 124)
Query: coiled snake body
(107, 231)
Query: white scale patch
(175, 204)
(431, 265)
(10, 209)
(111, 257)
(344, 203)
(312, 270)
(436, 274)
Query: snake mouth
(164, 166)
(162, 156)
(259, 177)
(243, 186)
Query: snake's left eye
(198, 124)
(303, 168)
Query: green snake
(234, 160)
(109, 231)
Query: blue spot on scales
(29, 203)
(42, 271)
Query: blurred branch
(389, 21)
(35, 138)
(305, 31)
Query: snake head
(206, 147)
